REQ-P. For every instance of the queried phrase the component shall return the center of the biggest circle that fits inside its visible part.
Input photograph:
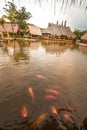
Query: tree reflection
(17, 50)
(20, 52)
(74, 47)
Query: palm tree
(17, 16)
(10, 14)
(2, 22)
(66, 2)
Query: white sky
(76, 17)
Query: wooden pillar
(2, 36)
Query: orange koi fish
(54, 110)
(68, 117)
(50, 97)
(30, 90)
(24, 112)
(41, 77)
(53, 91)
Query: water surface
(42, 67)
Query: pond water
(38, 76)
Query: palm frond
(64, 3)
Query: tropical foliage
(15, 16)
(2, 21)
(64, 3)
(10, 11)
(79, 33)
(21, 17)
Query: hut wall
(84, 41)
(33, 36)
(47, 36)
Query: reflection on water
(56, 48)
(17, 50)
(42, 85)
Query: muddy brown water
(43, 67)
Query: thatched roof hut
(59, 30)
(8, 28)
(84, 38)
(34, 31)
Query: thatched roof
(53, 30)
(84, 37)
(34, 30)
(59, 30)
(8, 28)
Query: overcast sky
(42, 14)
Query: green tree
(79, 33)
(10, 10)
(21, 18)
